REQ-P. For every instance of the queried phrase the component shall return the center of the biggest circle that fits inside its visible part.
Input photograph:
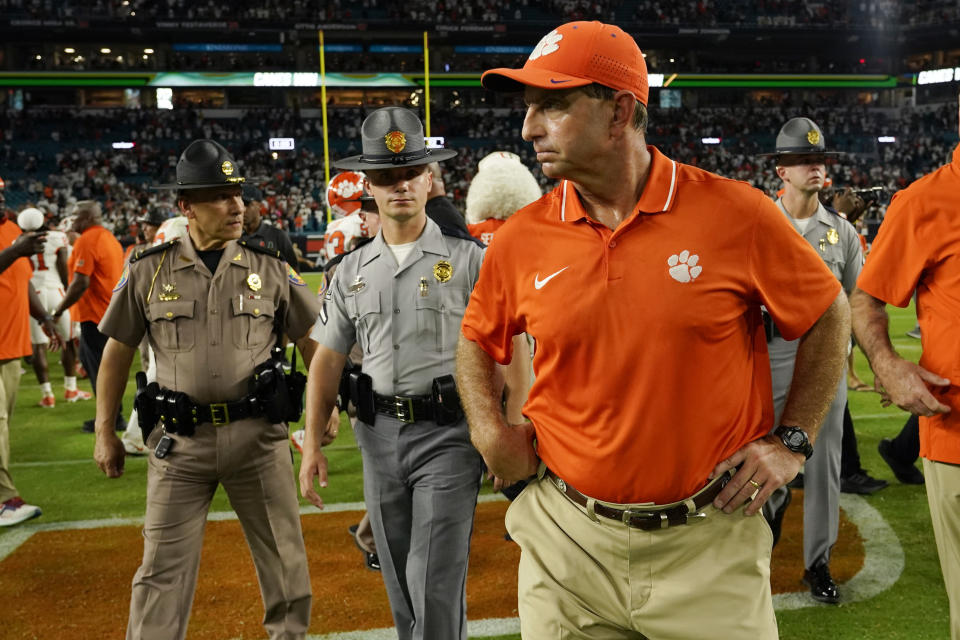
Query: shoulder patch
(294, 277)
(323, 285)
(122, 282)
(273, 253)
(152, 250)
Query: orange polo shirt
(917, 249)
(97, 254)
(651, 361)
(485, 229)
(15, 317)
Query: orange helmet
(344, 192)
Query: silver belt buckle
(399, 405)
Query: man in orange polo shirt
(641, 281)
(95, 265)
(915, 249)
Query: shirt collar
(430, 241)
(659, 193)
(822, 215)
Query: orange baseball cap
(576, 54)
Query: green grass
(53, 467)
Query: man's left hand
(765, 466)
(50, 330)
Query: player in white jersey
(347, 227)
(171, 228)
(49, 278)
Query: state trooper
(401, 297)
(801, 164)
(214, 311)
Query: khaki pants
(251, 459)
(9, 383)
(598, 579)
(943, 495)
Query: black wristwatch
(795, 439)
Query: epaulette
(152, 250)
(457, 232)
(273, 253)
(335, 260)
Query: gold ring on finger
(755, 484)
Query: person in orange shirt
(915, 249)
(19, 303)
(95, 265)
(650, 422)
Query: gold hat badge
(396, 141)
(227, 168)
(443, 271)
(813, 136)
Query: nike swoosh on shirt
(558, 81)
(538, 283)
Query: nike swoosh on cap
(538, 283)
(558, 81)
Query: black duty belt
(220, 413)
(649, 517)
(404, 408)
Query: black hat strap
(395, 158)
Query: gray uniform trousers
(821, 473)
(420, 482)
(251, 459)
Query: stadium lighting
(710, 140)
(69, 50)
(886, 139)
(434, 142)
(148, 51)
(146, 57)
(164, 98)
(39, 57)
(105, 50)
(123, 145)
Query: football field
(67, 574)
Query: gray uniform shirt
(406, 319)
(837, 242)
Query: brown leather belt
(652, 517)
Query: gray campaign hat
(393, 137)
(154, 216)
(801, 136)
(204, 164)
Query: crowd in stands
(54, 157)
(703, 13)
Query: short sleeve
(84, 256)
(791, 280)
(303, 309)
(490, 319)
(897, 257)
(125, 318)
(334, 328)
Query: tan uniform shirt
(837, 242)
(208, 331)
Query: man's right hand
(109, 454)
(907, 385)
(30, 243)
(511, 457)
(312, 464)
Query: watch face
(795, 438)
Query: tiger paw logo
(547, 45)
(684, 267)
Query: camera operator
(214, 310)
